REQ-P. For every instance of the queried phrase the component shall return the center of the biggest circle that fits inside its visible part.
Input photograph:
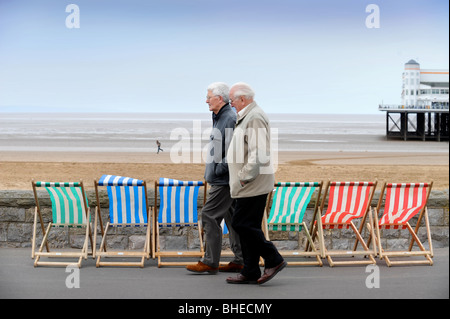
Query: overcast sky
(160, 55)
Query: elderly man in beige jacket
(251, 180)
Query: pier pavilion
(424, 112)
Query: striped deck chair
(225, 230)
(177, 207)
(69, 209)
(288, 203)
(128, 207)
(404, 201)
(348, 201)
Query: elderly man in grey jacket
(219, 204)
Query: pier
(423, 113)
(419, 124)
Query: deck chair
(288, 203)
(177, 207)
(69, 209)
(404, 201)
(128, 207)
(348, 201)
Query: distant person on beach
(159, 146)
(219, 205)
(251, 180)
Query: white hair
(243, 89)
(220, 89)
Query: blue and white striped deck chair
(225, 231)
(289, 203)
(224, 227)
(69, 209)
(177, 207)
(128, 207)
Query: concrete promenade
(19, 279)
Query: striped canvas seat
(177, 207)
(127, 200)
(178, 202)
(403, 201)
(69, 209)
(289, 204)
(224, 227)
(347, 201)
(128, 206)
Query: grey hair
(243, 89)
(220, 89)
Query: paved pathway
(19, 279)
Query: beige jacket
(249, 158)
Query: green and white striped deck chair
(177, 208)
(288, 205)
(69, 209)
(128, 207)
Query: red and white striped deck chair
(403, 202)
(348, 201)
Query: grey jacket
(216, 170)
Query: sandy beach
(18, 168)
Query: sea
(138, 132)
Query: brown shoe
(231, 267)
(240, 279)
(269, 273)
(201, 267)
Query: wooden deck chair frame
(156, 248)
(310, 249)
(423, 212)
(367, 211)
(123, 184)
(64, 205)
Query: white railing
(382, 107)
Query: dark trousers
(219, 206)
(246, 222)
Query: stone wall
(17, 215)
